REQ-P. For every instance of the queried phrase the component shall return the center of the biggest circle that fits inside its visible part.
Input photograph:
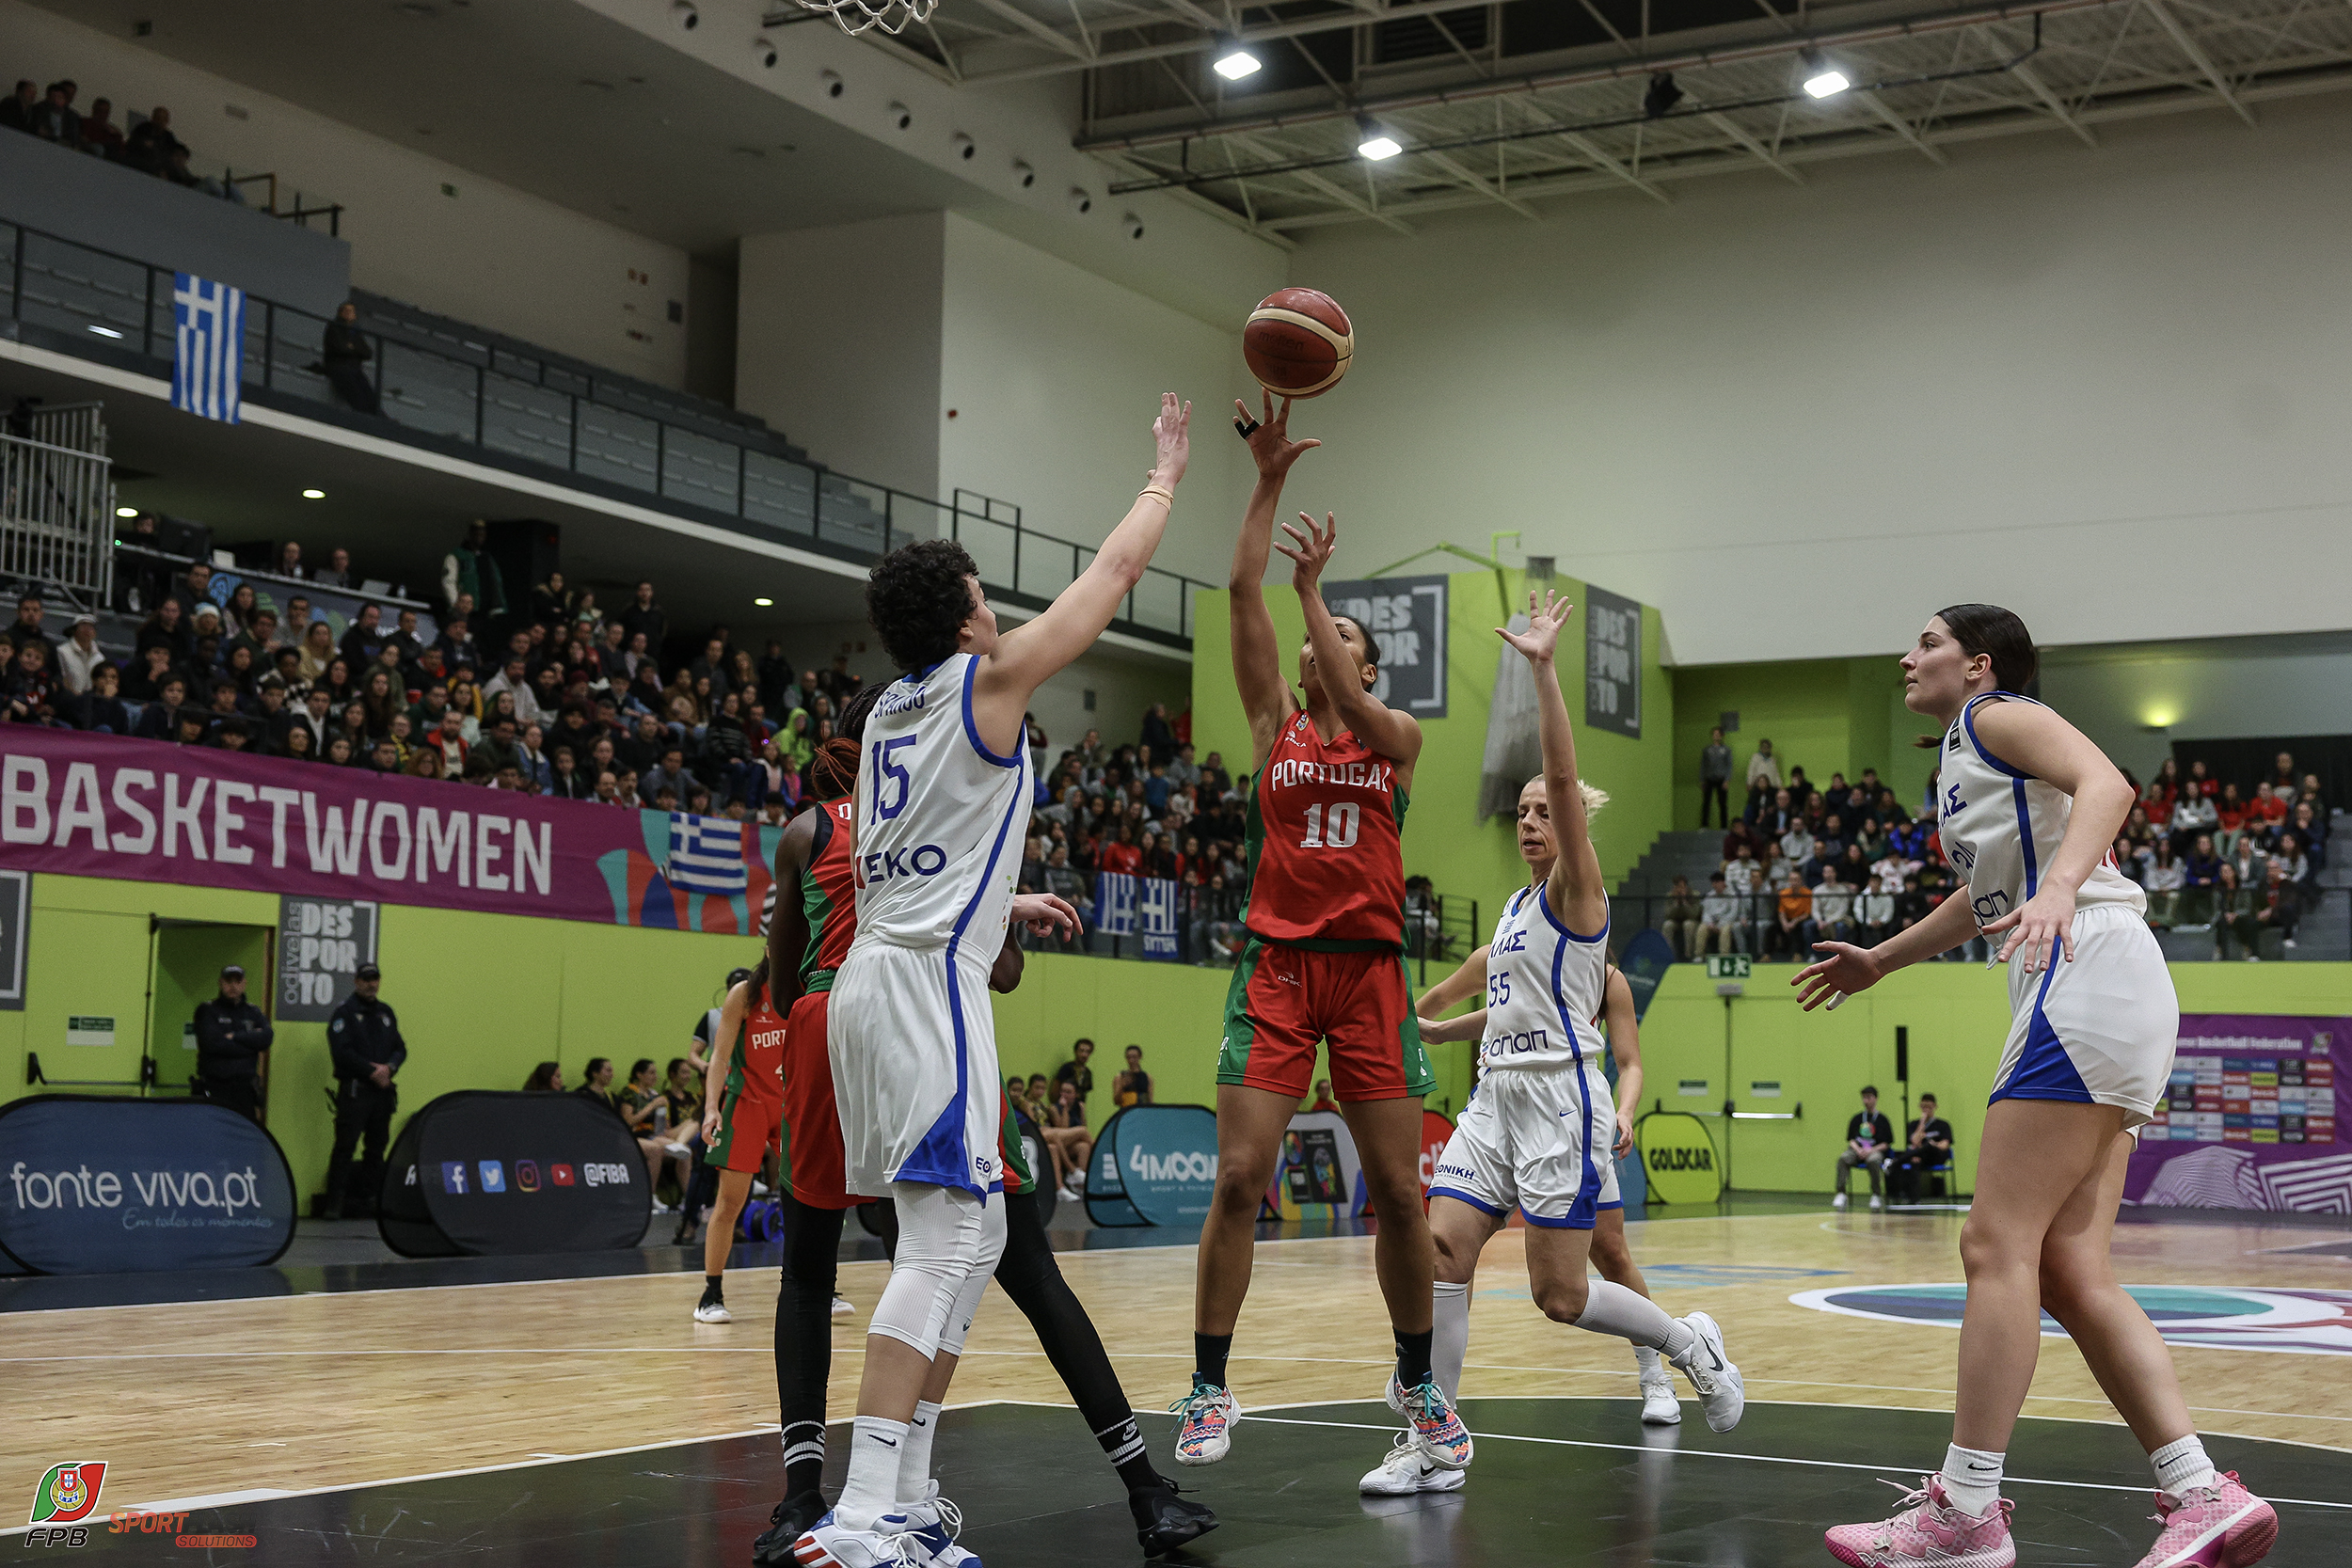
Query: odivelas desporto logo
(69, 1493)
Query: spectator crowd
(1848, 861)
(146, 143)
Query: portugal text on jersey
(1326, 860)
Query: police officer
(233, 1041)
(363, 1038)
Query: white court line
(1718, 1453)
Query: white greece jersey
(1538, 1131)
(1543, 982)
(911, 1039)
(2098, 1029)
(2001, 826)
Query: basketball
(1297, 342)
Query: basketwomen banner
(97, 805)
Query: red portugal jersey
(1325, 864)
(829, 895)
(756, 1071)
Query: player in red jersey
(742, 1123)
(1332, 771)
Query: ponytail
(834, 769)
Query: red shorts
(1284, 1000)
(748, 1127)
(815, 1169)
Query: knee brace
(975, 1283)
(939, 1235)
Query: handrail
(511, 410)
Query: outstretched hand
(1847, 970)
(1172, 430)
(1314, 549)
(1546, 615)
(2043, 925)
(1269, 439)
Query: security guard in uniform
(363, 1038)
(233, 1041)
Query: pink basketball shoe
(1927, 1529)
(2221, 1526)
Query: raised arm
(1265, 695)
(1574, 891)
(1026, 655)
(1466, 982)
(1625, 1044)
(2035, 740)
(788, 930)
(1393, 734)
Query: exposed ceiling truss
(1516, 104)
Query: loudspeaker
(1903, 1054)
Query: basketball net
(857, 16)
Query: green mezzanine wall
(1831, 715)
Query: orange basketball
(1297, 342)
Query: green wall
(1957, 1016)
(1444, 839)
(482, 998)
(1831, 715)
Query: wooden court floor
(336, 1389)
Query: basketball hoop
(858, 16)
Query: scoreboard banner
(2248, 1120)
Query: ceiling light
(313, 495)
(104, 331)
(1376, 143)
(126, 511)
(763, 603)
(1662, 96)
(1822, 79)
(1234, 60)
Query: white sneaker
(1407, 1470)
(1722, 1394)
(1205, 1434)
(713, 1309)
(841, 1307)
(829, 1544)
(1660, 1407)
(1877, 1202)
(1837, 1200)
(932, 1524)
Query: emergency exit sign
(89, 1031)
(1726, 966)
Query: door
(188, 959)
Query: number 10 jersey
(1326, 862)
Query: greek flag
(1115, 903)
(1156, 906)
(706, 855)
(210, 359)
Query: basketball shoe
(932, 1524)
(1660, 1407)
(2221, 1526)
(1443, 1439)
(713, 1309)
(888, 1544)
(1165, 1521)
(1206, 1433)
(1721, 1392)
(1407, 1470)
(1927, 1529)
(786, 1524)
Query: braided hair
(834, 769)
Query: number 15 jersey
(1324, 858)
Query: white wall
(837, 343)
(491, 255)
(2104, 387)
(1055, 376)
(2234, 690)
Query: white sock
(1652, 1367)
(2181, 1465)
(1450, 1318)
(914, 1455)
(1610, 1309)
(1972, 1479)
(876, 1443)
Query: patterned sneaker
(1407, 1470)
(1206, 1435)
(1445, 1442)
(1927, 1529)
(2221, 1526)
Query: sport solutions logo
(68, 1492)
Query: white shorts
(914, 1052)
(1539, 1138)
(2099, 1030)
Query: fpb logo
(68, 1492)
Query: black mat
(1556, 1480)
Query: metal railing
(514, 408)
(57, 500)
